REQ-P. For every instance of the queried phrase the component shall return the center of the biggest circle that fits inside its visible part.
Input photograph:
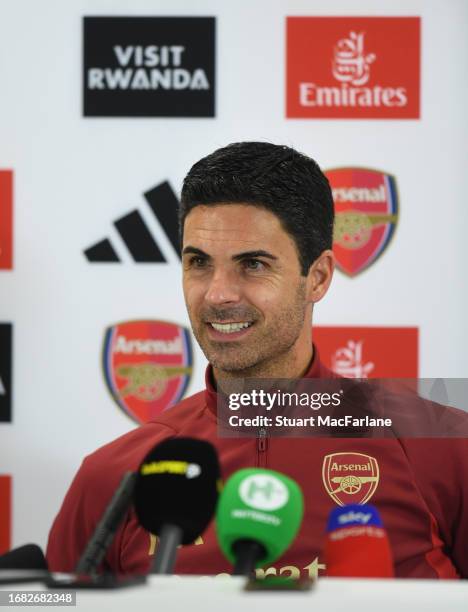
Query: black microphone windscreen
(178, 484)
(26, 557)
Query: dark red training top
(419, 486)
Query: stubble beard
(266, 352)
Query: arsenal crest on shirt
(350, 478)
(147, 366)
(366, 214)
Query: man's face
(245, 295)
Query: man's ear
(320, 276)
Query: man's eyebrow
(194, 251)
(253, 255)
(245, 255)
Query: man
(256, 228)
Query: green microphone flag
(261, 506)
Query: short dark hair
(287, 183)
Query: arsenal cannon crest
(147, 366)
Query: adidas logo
(134, 229)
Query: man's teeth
(229, 328)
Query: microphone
(85, 575)
(258, 516)
(176, 491)
(357, 545)
(24, 564)
(107, 526)
(29, 556)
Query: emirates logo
(350, 63)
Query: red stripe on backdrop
(5, 513)
(6, 219)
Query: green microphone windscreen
(262, 506)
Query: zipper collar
(316, 370)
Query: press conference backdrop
(103, 109)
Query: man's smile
(229, 328)
(226, 331)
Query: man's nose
(224, 288)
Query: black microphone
(175, 495)
(24, 564)
(107, 526)
(29, 556)
(86, 576)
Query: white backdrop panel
(74, 176)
